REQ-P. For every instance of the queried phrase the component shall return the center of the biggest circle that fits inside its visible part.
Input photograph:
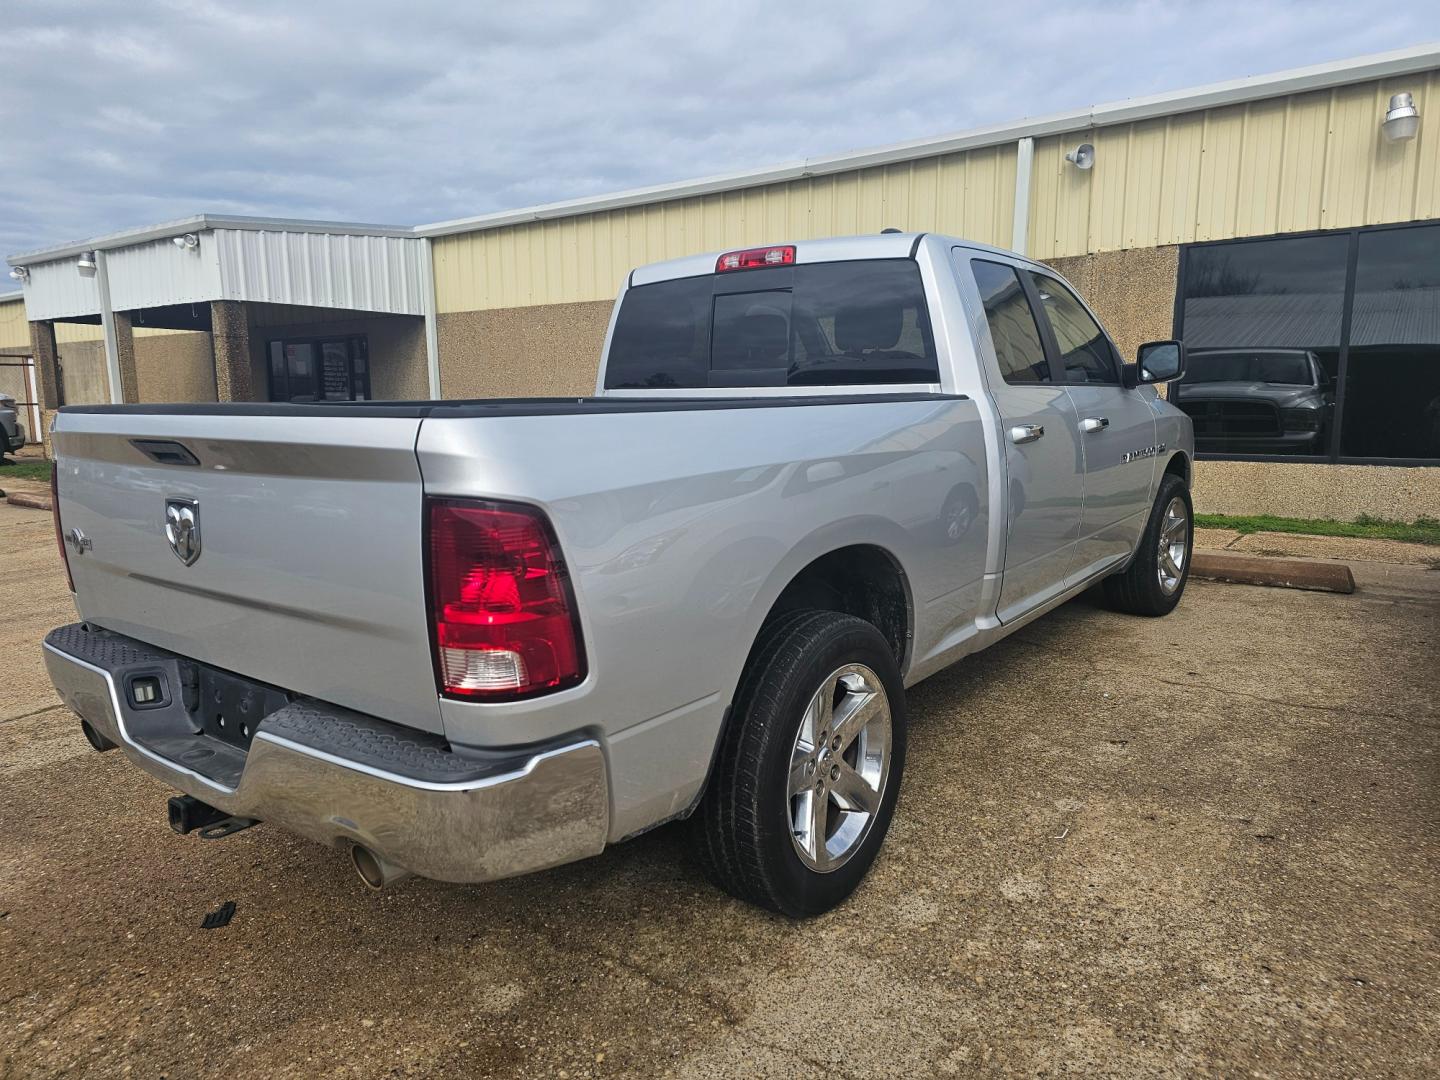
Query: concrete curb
(33, 502)
(1311, 574)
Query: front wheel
(809, 770)
(1156, 576)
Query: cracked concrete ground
(1203, 844)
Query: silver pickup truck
(468, 640)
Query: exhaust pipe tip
(94, 738)
(375, 871)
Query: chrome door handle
(1094, 423)
(1023, 433)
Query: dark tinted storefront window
(1262, 322)
(817, 324)
(1392, 379)
(319, 369)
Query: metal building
(1288, 226)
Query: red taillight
(753, 258)
(501, 603)
(59, 532)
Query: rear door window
(816, 324)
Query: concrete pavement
(1207, 843)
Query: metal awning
(200, 259)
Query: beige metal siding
(587, 256)
(14, 329)
(1308, 161)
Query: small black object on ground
(221, 916)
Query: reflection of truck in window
(1276, 401)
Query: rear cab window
(860, 323)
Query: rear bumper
(341, 778)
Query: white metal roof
(1253, 88)
(199, 222)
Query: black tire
(744, 820)
(1137, 589)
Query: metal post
(432, 335)
(107, 322)
(1024, 165)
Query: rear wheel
(1156, 577)
(809, 770)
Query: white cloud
(124, 114)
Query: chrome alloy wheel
(839, 767)
(1174, 545)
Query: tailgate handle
(165, 451)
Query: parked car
(12, 431)
(1265, 401)
(471, 639)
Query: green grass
(1420, 531)
(24, 470)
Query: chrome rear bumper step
(340, 777)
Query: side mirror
(1160, 361)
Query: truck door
(1040, 432)
(1114, 423)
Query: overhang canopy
(314, 264)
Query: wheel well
(1179, 464)
(862, 580)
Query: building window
(1322, 347)
(319, 369)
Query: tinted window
(1262, 323)
(1085, 353)
(1285, 368)
(1392, 379)
(820, 324)
(319, 369)
(1012, 324)
(662, 336)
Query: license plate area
(228, 707)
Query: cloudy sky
(401, 111)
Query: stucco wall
(396, 342)
(1133, 292)
(174, 367)
(1319, 490)
(550, 350)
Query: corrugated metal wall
(365, 273)
(586, 257)
(14, 328)
(1310, 161)
(158, 273)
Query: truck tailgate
(309, 572)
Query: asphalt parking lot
(1209, 843)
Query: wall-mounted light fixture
(188, 242)
(86, 262)
(21, 274)
(1402, 119)
(1082, 157)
